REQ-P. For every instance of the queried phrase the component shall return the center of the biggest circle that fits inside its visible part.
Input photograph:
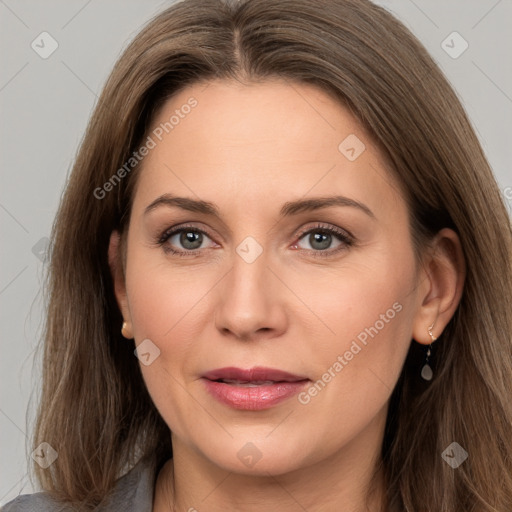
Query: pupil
(324, 244)
(190, 237)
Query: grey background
(45, 106)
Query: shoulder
(132, 492)
(39, 501)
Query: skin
(249, 148)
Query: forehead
(255, 144)
(275, 115)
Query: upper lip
(252, 374)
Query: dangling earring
(124, 330)
(426, 371)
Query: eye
(189, 238)
(320, 239)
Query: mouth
(252, 389)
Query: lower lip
(253, 398)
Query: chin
(259, 457)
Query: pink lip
(257, 397)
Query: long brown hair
(95, 409)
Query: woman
(281, 209)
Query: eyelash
(346, 239)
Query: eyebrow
(288, 208)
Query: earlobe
(445, 273)
(126, 331)
(116, 269)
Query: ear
(443, 276)
(115, 261)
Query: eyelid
(327, 227)
(179, 227)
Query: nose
(251, 300)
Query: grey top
(133, 492)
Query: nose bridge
(248, 299)
(249, 280)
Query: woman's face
(301, 262)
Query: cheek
(364, 299)
(164, 298)
(369, 311)
(167, 307)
